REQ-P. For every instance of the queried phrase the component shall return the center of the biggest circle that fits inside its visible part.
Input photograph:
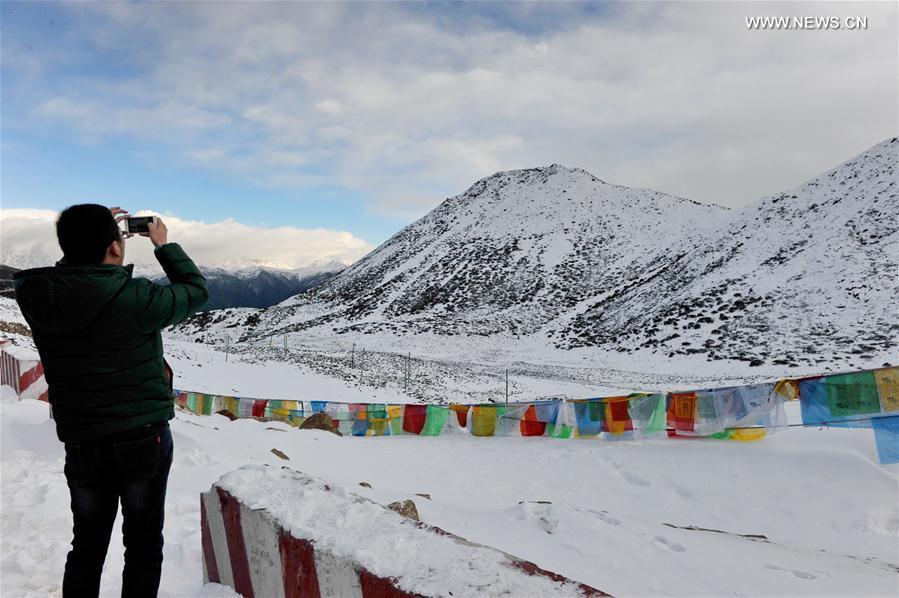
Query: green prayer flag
(558, 430)
(435, 419)
(852, 394)
(649, 413)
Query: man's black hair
(85, 231)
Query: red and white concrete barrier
(282, 534)
(23, 371)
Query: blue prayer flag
(886, 437)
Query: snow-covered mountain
(557, 255)
(800, 276)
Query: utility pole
(408, 370)
(361, 365)
(353, 356)
(507, 385)
(285, 343)
(227, 346)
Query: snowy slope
(810, 275)
(555, 259)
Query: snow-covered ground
(615, 516)
(454, 370)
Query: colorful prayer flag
(617, 420)
(375, 416)
(886, 438)
(531, 424)
(259, 407)
(244, 408)
(788, 389)
(589, 415)
(743, 435)
(853, 394)
(395, 414)
(414, 418)
(483, 420)
(649, 413)
(435, 420)
(461, 412)
(563, 426)
(817, 396)
(682, 411)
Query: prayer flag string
(864, 399)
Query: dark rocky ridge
(261, 288)
(7, 288)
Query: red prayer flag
(461, 414)
(414, 418)
(259, 407)
(617, 420)
(530, 425)
(682, 411)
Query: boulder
(320, 421)
(405, 508)
(227, 414)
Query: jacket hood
(65, 299)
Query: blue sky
(51, 171)
(361, 117)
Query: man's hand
(118, 213)
(158, 234)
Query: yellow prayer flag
(746, 435)
(483, 422)
(887, 381)
(788, 389)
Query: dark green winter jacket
(97, 331)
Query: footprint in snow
(543, 515)
(632, 478)
(683, 492)
(605, 517)
(799, 574)
(666, 543)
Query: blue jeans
(134, 468)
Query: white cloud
(379, 98)
(332, 107)
(28, 239)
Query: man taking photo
(97, 330)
